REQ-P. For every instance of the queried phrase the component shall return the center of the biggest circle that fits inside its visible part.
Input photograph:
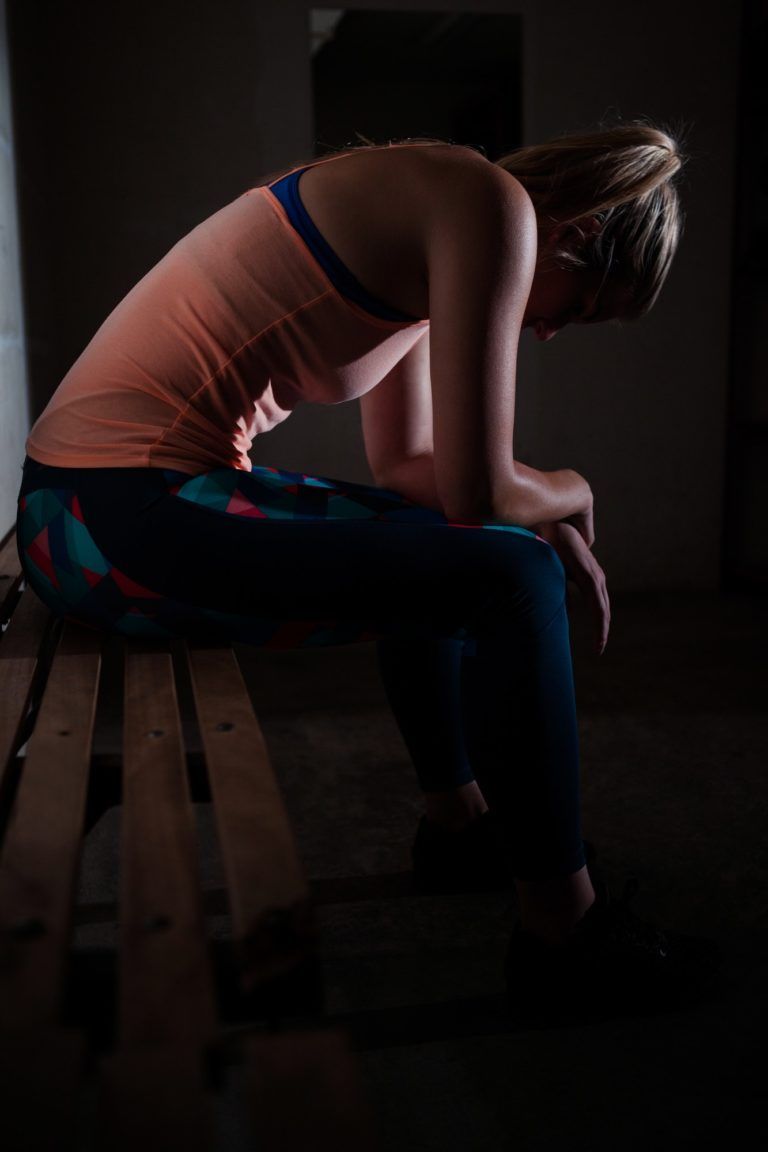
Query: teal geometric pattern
(72, 576)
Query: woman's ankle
(455, 807)
(551, 909)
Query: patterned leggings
(469, 620)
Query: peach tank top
(235, 326)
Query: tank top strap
(286, 191)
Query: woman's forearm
(534, 497)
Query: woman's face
(561, 296)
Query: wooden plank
(155, 1100)
(42, 844)
(40, 1074)
(305, 1092)
(166, 980)
(269, 896)
(325, 890)
(10, 574)
(19, 653)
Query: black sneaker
(472, 859)
(612, 964)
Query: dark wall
(133, 122)
(640, 408)
(745, 543)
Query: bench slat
(19, 652)
(155, 1100)
(305, 1092)
(10, 573)
(40, 1075)
(42, 845)
(269, 895)
(166, 981)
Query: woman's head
(607, 209)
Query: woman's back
(373, 207)
(239, 322)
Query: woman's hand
(581, 567)
(583, 522)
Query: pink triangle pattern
(130, 588)
(39, 552)
(241, 506)
(76, 510)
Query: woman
(402, 275)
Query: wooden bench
(131, 1050)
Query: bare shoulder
(455, 168)
(386, 211)
(452, 193)
(465, 182)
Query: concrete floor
(673, 730)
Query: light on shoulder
(512, 194)
(477, 197)
(472, 175)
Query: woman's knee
(551, 566)
(529, 588)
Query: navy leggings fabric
(469, 620)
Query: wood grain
(166, 984)
(305, 1093)
(19, 653)
(10, 574)
(268, 893)
(40, 1074)
(155, 1100)
(42, 844)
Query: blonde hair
(624, 177)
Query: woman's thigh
(278, 557)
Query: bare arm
(415, 478)
(545, 497)
(397, 429)
(481, 257)
(429, 460)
